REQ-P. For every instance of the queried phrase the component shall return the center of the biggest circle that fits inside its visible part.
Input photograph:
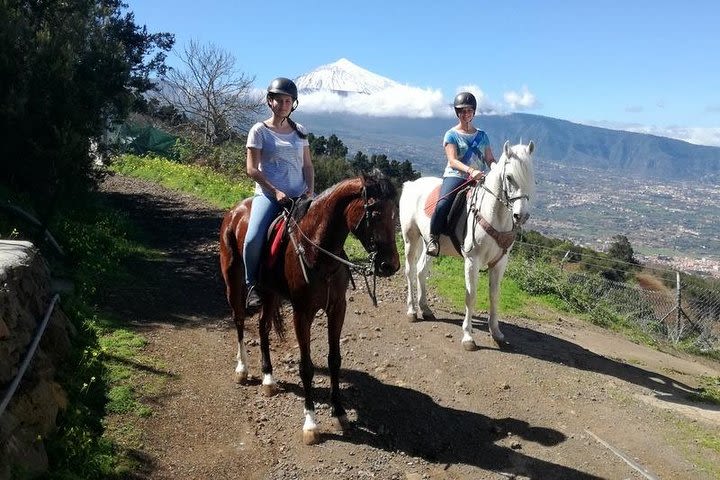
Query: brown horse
(312, 273)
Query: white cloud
(696, 135)
(484, 104)
(401, 101)
(525, 100)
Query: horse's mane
(376, 183)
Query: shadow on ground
(394, 418)
(549, 348)
(179, 282)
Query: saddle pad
(275, 237)
(431, 201)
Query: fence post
(562, 262)
(678, 308)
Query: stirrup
(253, 302)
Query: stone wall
(25, 295)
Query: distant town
(675, 225)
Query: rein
(456, 189)
(363, 270)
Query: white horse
(485, 233)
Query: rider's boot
(253, 302)
(433, 247)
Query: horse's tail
(278, 324)
(230, 244)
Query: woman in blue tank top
(465, 146)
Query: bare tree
(215, 97)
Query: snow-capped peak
(343, 76)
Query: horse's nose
(521, 218)
(385, 269)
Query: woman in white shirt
(278, 159)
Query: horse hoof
(270, 390)
(241, 378)
(311, 437)
(341, 423)
(412, 317)
(429, 316)
(503, 344)
(469, 346)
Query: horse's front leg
(303, 322)
(416, 271)
(472, 268)
(270, 308)
(411, 277)
(336, 318)
(423, 272)
(495, 275)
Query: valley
(676, 224)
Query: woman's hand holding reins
(474, 174)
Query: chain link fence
(685, 313)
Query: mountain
(558, 141)
(343, 77)
(340, 87)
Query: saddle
(277, 238)
(456, 215)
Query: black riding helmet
(464, 100)
(283, 86)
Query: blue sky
(649, 66)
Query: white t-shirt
(281, 158)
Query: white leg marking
(424, 263)
(268, 379)
(309, 420)
(242, 360)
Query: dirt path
(553, 408)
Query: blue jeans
(448, 192)
(263, 212)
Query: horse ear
(506, 148)
(531, 147)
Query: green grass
(122, 351)
(701, 444)
(102, 374)
(448, 278)
(709, 392)
(202, 182)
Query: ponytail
(294, 126)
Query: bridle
(506, 199)
(503, 239)
(366, 269)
